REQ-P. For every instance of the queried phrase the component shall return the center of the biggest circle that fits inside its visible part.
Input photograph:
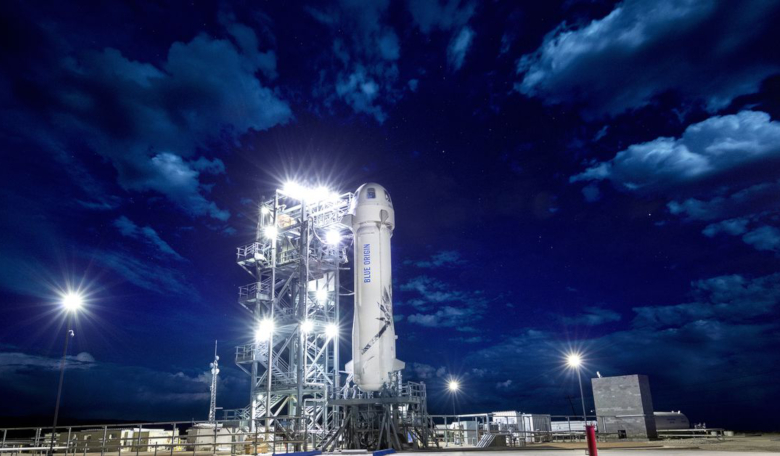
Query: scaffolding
(293, 362)
(395, 417)
(296, 392)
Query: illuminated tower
(293, 306)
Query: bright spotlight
(331, 330)
(322, 295)
(311, 195)
(294, 190)
(320, 194)
(453, 385)
(264, 210)
(265, 330)
(270, 232)
(333, 237)
(307, 326)
(574, 360)
(72, 301)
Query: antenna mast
(214, 374)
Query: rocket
(372, 219)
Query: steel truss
(294, 367)
(395, 417)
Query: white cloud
(733, 227)
(362, 70)
(593, 316)
(459, 46)
(729, 298)
(13, 363)
(764, 238)
(99, 389)
(645, 48)
(430, 15)
(505, 384)
(447, 258)
(448, 16)
(448, 317)
(720, 170)
(128, 228)
(143, 273)
(205, 92)
(705, 150)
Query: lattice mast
(293, 303)
(214, 377)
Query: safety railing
(254, 291)
(469, 430)
(181, 438)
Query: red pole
(590, 433)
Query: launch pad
(394, 418)
(296, 391)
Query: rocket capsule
(372, 219)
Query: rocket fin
(398, 365)
(349, 367)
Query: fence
(158, 439)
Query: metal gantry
(293, 302)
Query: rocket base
(395, 417)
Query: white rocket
(373, 333)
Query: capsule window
(387, 197)
(371, 193)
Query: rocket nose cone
(372, 193)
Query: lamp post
(453, 386)
(574, 361)
(71, 302)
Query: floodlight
(453, 385)
(574, 360)
(270, 232)
(331, 330)
(264, 210)
(294, 190)
(265, 330)
(333, 237)
(322, 295)
(320, 194)
(72, 301)
(307, 326)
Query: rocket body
(373, 330)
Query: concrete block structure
(624, 407)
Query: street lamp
(71, 302)
(453, 386)
(574, 361)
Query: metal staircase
(486, 440)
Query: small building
(529, 427)
(571, 426)
(201, 437)
(132, 439)
(624, 407)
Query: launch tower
(293, 310)
(293, 303)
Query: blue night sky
(591, 175)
